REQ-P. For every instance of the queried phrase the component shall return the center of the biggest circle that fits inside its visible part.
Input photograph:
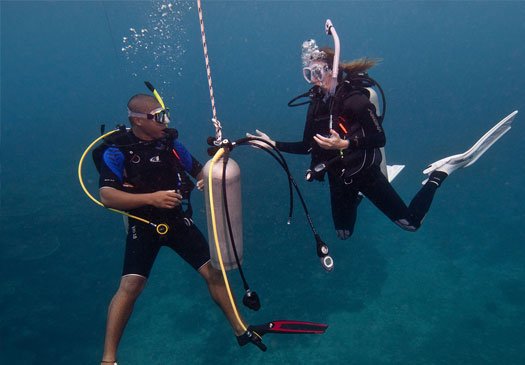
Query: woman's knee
(344, 234)
(407, 225)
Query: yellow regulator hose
(161, 228)
(216, 157)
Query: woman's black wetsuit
(356, 169)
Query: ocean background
(452, 293)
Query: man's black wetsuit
(136, 166)
(355, 119)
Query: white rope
(215, 120)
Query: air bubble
(161, 42)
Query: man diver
(144, 171)
(343, 134)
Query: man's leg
(119, 312)
(218, 292)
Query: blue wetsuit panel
(185, 156)
(114, 159)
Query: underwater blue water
(452, 293)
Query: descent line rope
(216, 157)
(215, 121)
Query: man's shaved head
(142, 103)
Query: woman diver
(344, 134)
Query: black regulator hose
(321, 247)
(280, 160)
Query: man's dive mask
(159, 115)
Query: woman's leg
(344, 200)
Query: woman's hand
(200, 181)
(334, 142)
(260, 135)
(200, 185)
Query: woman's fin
(451, 163)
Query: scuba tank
(232, 186)
(374, 99)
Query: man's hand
(334, 142)
(167, 199)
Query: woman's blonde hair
(350, 67)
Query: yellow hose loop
(161, 228)
(217, 156)
(80, 179)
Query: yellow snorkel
(155, 94)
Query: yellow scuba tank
(234, 209)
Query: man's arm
(117, 199)
(110, 182)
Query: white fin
(451, 163)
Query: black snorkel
(314, 92)
(292, 103)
